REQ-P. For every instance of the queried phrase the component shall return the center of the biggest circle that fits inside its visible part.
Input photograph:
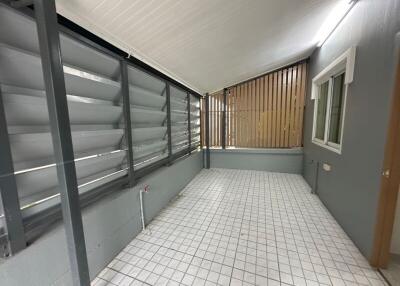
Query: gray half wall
(273, 160)
(109, 226)
(351, 189)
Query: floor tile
(237, 227)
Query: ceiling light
(337, 15)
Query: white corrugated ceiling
(205, 44)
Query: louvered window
(95, 103)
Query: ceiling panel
(208, 44)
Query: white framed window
(329, 92)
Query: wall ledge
(279, 151)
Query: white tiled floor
(235, 227)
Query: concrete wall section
(351, 189)
(109, 226)
(273, 160)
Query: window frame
(343, 64)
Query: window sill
(326, 146)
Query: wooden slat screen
(266, 112)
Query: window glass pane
(321, 110)
(335, 124)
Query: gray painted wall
(273, 160)
(350, 190)
(109, 226)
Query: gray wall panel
(350, 190)
(109, 226)
(273, 160)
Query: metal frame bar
(53, 74)
(189, 123)
(223, 123)
(207, 131)
(168, 95)
(127, 120)
(9, 192)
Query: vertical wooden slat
(302, 101)
(227, 117)
(213, 121)
(293, 106)
(243, 117)
(283, 112)
(270, 109)
(265, 135)
(288, 102)
(248, 133)
(298, 103)
(210, 120)
(273, 119)
(279, 110)
(257, 111)
(231, 121)
(221, 108)
(252, 114)
(218, 119)
(238, 108)
(237, 115)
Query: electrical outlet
(326, 167)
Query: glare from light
(336, 16)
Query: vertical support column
(9, 191)
(223, 124)
(168, 94)
(207, 131)
(53, 74)
(127, 119)
(189, 127)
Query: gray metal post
(168, 94)
(189, 127)
(127, 119)
(53, 74)
(223, 124)
(207, 132)
(8, 190)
